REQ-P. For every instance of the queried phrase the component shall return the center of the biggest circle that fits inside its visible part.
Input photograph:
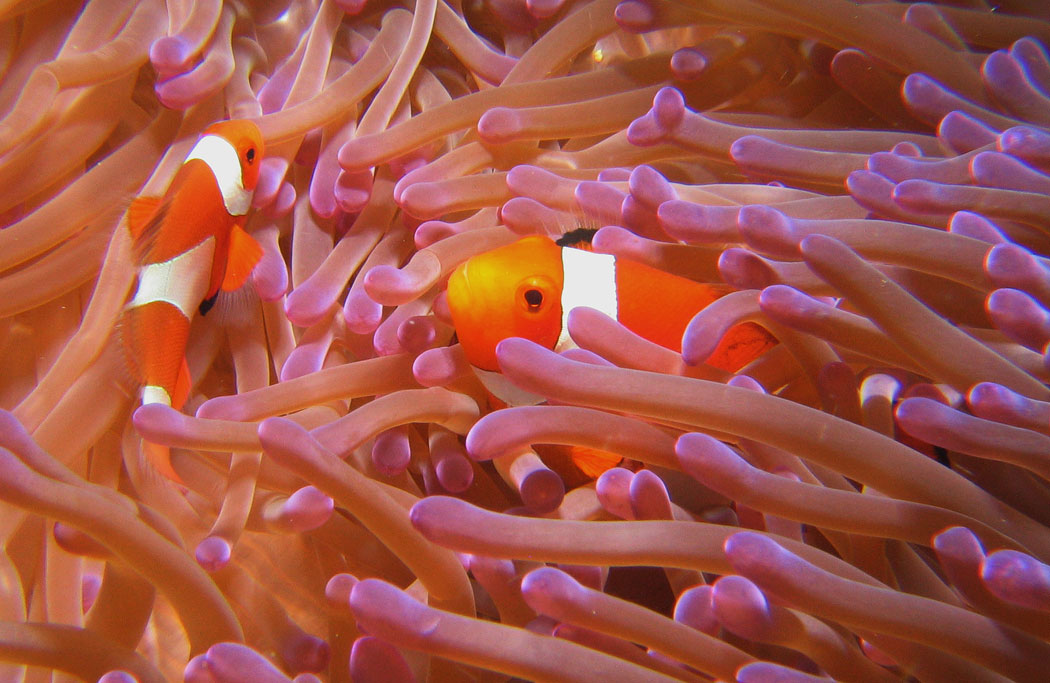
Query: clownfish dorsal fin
(207, 304)
(580, 238)
(145, 218)
(244, 253)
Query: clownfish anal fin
(207, 304)
(145, 218)
(244, 253)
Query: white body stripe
(154, 394)
(590, 280)
(505, 390)
(181, 281)
(225, 165)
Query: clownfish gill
(187, 246)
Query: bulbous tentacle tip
(547, 589)
(373, 660)
(753, 554)
(964, 133)
(308, 508)
(688, 64)
(768, 672)
(228, 662)
(542, 491)
(741, 607)
(283, 438)
(660, 122)
(499, 125)
(634, 16)
(957, 544)
(213, 553)
(337, 590)
(693, 608)
(1017, 578)
(455, 473)
(669, 108)
(650, 187)
(768, 231)
(649, 497)
(170, 55)
(352, 190)
(389, 613)
(429, 514)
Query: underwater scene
(524, 340)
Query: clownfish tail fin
(158, 458)
(126, 370)
(131, 370)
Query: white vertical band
(181, 281)
(225, 165)
(590, 280)
(151, 393)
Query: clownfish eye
(533, 299)
(250, 155)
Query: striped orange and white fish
(527, 289)
(188, 245)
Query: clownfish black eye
(250, 155)
(534, 299)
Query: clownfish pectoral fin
(181, 391)
(577, 465)
(145, 217)
(593, 462)
(244, 253)
(742, 344)
(141, 211)
(207, 304)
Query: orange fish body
(526, 289)
(188, 245)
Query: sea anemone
(867, 500)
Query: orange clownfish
(526, 289)
(187, 245)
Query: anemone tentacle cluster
(869, 500)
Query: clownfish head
(512, 291)
(247, 141)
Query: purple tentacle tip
(1018, 578)
(376, 661)
(308, 509)
(213, 553)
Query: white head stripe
(151, 393)
(590, 280)
(506, 391)
(225, 165)
(181, 281)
